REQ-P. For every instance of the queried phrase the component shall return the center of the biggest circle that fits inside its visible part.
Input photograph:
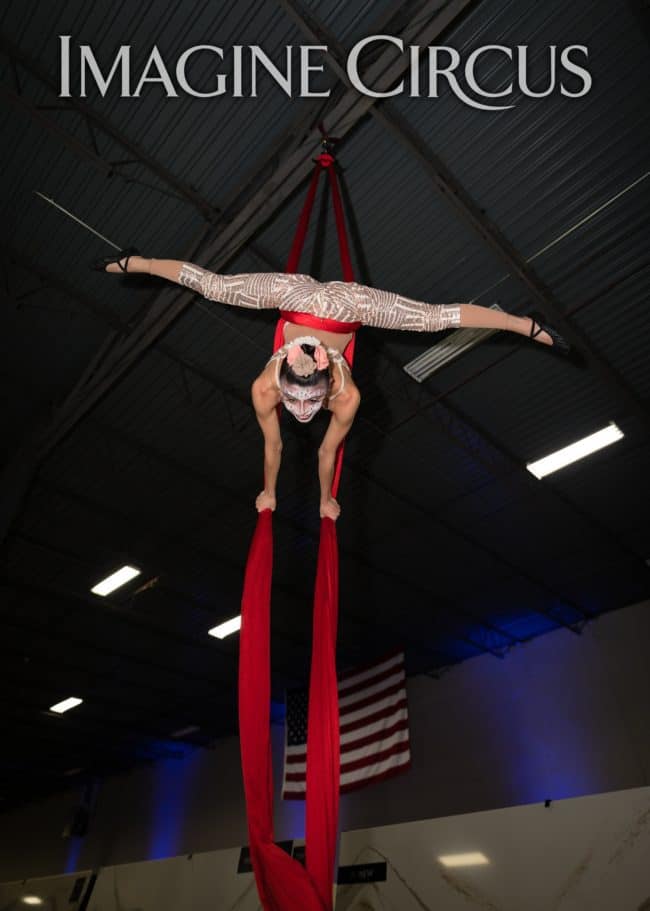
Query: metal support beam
(545, 299)
(427, 23)
(474, 217)
(99, 121)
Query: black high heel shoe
(100, 264)
(560, 344)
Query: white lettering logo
(429, 72)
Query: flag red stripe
(371, 681)
(359, 723)
(373, 716)
(362, 703)
(387, 773)
(367, 709)
(377, 737)
(372, 759)
(352, 785)
(401, 725)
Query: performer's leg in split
(473, 316)
(164, 268)
(470, 316)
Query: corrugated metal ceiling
(447, 543)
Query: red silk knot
(325, 160)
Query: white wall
(580, 854)
(563, 716)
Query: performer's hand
(330, 509)
(265, 501)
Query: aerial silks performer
(307, 372)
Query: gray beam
(472, 215)
(427, 23)
(101, 122)
(298, 129)
(546, 300)
(75, 145)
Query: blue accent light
(278, 712)
(293, 819)
(171, 780)
(72, 860)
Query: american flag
(373, 719)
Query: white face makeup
(303, 402)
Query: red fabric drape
(283, 883)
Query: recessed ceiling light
(226, 628)
(470, 859)
(65, 705)
(183, 732)
(31, 900)
(575, 451)
(447, 350)
(115, 580)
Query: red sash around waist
(316, 322)
(319, 322)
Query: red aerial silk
(282, 882)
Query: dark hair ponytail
(315, 379)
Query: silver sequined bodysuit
(343, 301)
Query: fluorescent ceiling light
(183, 732)
(61, 707)
(471, 859)
(110, 583)
(575, 451)
(447, 350)
(226, 628)
(31, 900)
